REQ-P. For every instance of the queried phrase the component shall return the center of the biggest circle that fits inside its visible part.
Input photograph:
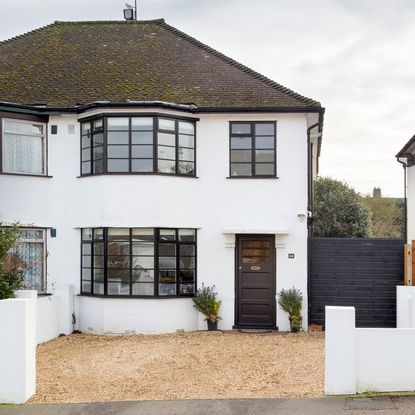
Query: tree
(387, 217)
(339, 211)
(11, 267)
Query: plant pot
(212, 325)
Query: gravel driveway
(198, 365)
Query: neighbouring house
(406, 157)
(142, 163)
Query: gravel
(197, 365)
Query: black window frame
(157, 242)
(156, 130)
(253, 149)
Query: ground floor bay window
(140, 262)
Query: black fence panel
(359, 272)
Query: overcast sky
(357, 57)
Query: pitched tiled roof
(67, 64)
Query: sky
(356, 57)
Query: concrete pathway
(280, 406)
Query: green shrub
(291, 301)
(11, 272)
(207, 303)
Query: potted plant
(291, 301)
(207, 303)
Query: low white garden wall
(405, 306)
(366, 359)
(17, 350)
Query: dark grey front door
(255, 281)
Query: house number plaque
(255, 268)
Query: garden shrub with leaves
(207, 303)
(291, 301)
(11, 272)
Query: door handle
(240, 267)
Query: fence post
(408, 264)
(340, 362)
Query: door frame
(274, 279)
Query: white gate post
(340, 351)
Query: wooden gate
(359, 272)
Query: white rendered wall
(410, 171)
(17, 350)
(211, 203)
(366, 359)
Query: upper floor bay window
(30, 254)
(23, 147)
(253, 149)
(143, 262)
(138, 144)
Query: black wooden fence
(359, 272)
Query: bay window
(142, 262)
(138, 144)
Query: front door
(255, 281)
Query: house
(142, 163)
(406, 157)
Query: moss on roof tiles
(69, 63)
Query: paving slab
(278, 406)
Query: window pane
(166, 153)
(186, 141)
(142, 123)
(187, 235)
(241, 128)
(143, 234)
(98, 261)
(143, 263)
(142, 138)
(264, 142)
(98, 124)
(187, 250)
(86, 261)
(119, 248)
(86, 168)
(143, 289)
(143, 248)
(186, 154)
(167, 263)
(118, 151)
(241, 155)
(118, 262)
(98, 153)
(167, 235)
(98, 166)
(265, 169)
(86, 274)
(264, 129)
(23, 154)
(86, 128)
(142, 275)
(167, 249)
(241, 142)
(98, 288)
(267, 156)
(187, 262)
(145, 152)
(167, 289)
(86, 249)
(23, 127)
(86, 141)
(187, 275)
(166, 166)
(98, 139)
(98, 233)
(186, 167)
(118, 234)
(165, 124)
(186, 127)
(118, 288)
(166, 139)
(86, 234)
(98, 275)
(117, 137)
(118, 165)
(238, 169)
(142, 165)
(117, 123)
(86, 286)
(187, 288)
(86, 154)
(98, 248)
(115, 274)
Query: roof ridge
(238, 65)
(30, 32)
(79, 22)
